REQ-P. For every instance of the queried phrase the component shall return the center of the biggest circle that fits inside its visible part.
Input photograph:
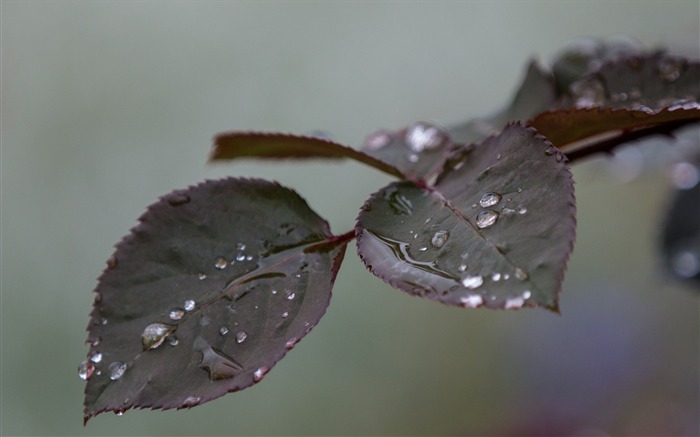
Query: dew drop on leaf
(154, 335)
(201, 276)
(472, 282)
(527, 294)
(423, 136)
(684, 175)
(439, 239)
(191, 401)
(471, 300)
(85, 370)
(489, 199)
(486, 218)
(670, 68)
(520, 274)
(685, 264)
(189, 305)
(285, 315)
(96, 357)
(514, 303)
(496, 277)
(291, 343)
(588, 92)
(462, 268)
(241, 336)
(260, 373)
(240, 257)
(173, 340)
(176, 313)
(116, 370)
(223, 330)
(378, 140)
(289, 294)
(220, 263)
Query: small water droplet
(96, 357)
(285, 315)
(154, 335)
(191, 401)
(412, 158)
(428, 220)
(119, 412)
(439, 239)
(95, 341)
(486, 218)
(240, 246)
(201, 276)
(588, 92)
(289, 294)
(221, 263)
(241, 336)
(685, 175)
(423, 136)
(240, 257)
(670, 68)
(116, 370)
(189, 305)
(506, 276)
(223, 330)
(422, 249)
(521, 274)
(462, 267)
(103, 321)
(527, 294)
(619, 97)
(522, 210)
(489, 199)
(514, 302)
(378, 140)
(472, 282)
(471, 300)
(112, 262)
(496, 277)
(291, 343)
(176, 313)
(686, 264)
(274, 291)
(173, 341)
(177, 199)
(260, 373)
(520, 189)
(249, 258)
(85, 370)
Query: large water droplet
(154, 335)
(219, 364)
(401, 251)
(241, 336)
(260, 373)
(423, 136)
(176, 313)
(472, 282)
(439, 239)
(220, 263)
(378, 140)
(588, 92)
(486, 218)
(96, 357)
(489, 199)
(190, 305)
(116, 370)
(471, 300)
(670, 68)
(85, 370)
(398, 203)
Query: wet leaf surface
(236, 145)
(495, 230)
(213, 286)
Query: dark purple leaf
(495, 230)
(213, 287)
(418, 151)
(234, 145)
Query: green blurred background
(107, 105)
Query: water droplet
(221, 263)
(506, 276)
(119, 412)
(471, 300)
(428, 220)
(289, 294)
(412, 158)
(260, 373)
(103, 321)
(285, 315)
(191, 401)
(514, 302)
(462, 267)
(496, 277)
(154, 335)
(177, 199)
(522, 210)
(176, 313)
(398, 203)
(240, 257)
(670, 68)
(241, 336)
(489, 199)
(588, 92)
(189, 305)
(686, 104)
(486, 218)
(686, 264)
(249, 258)
(423, 136)
(527, 294)
(422, 249)
(223, 330)
(112, 262)
(439, 239)
(173, 341)
(85, 370)
(202, 276)
(520, 189)
(116, 370)
(378, 140)
(521, 274)
(291, 343)
(685, 175)
(96, 357)
(240, 246)
(274, 291)
(472, 282)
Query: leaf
(628, 93)
(235, 145)
(680, 245)
(418, 151)
(495, 230)
(535, 94)
(213, 287)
